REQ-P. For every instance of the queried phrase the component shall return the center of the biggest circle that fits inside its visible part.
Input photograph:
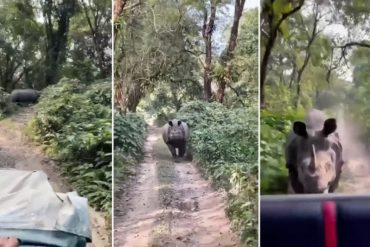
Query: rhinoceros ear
(299, 129)
(179, 123)
(170, 123)
(330, 125)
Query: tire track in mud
(17, 152)
(170, 205)
(141, 204)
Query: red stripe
(330, 222)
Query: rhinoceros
(25, 96)
(175, 134)
(313, 154)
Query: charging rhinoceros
(313, 154)
(175, 134)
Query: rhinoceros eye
(327, 166)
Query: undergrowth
(73, 124)
(274, 130)
(129, 137)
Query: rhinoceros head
(176, 131)
(316, 160)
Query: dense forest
(197, 61)
(314, 54)
(42, 41)
(63, 48)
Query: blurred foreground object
(329, 220)
(32, 212)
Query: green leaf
(284, 29)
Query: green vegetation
(161, 62)
(44, 41)
(73, 123)
(129, 137)
(5, 107)
(224, 143)
(274, 129)
(306, 65)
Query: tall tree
(57, 20)
(120, 95)
(274, 13)
(20, 43)
(207, 32)
(226, 60)
(151, 49)
(311, 37)
(98, 17)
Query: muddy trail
(170, 205)
(17, 152)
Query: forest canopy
(179, 52)
(43, 41)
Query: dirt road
(170, 205)
(16, 151)
(356, 170)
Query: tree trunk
(263, 69)
(293, 75)
(270, 44)
(207, 32)
(119, 97)
(94, 25)
(56, 40)
(133, 97)
(311, 39)
(238, 11)
(119, 5)
(119, 91)
(299, 78)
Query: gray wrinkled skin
(314, 154)
(175, 134)
(25, 96)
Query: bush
(199, 115)
(162, 117)
(100, 93)
(6, 107)
(74, 125)
(129, 137)
(274, 130)
(225, 145)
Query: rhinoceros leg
(295, 183)
(182, 150)
(172, 150)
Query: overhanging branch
(354, 43)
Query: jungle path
(170, 205)
(26, 156)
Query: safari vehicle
(33, 213)
(315, 220)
